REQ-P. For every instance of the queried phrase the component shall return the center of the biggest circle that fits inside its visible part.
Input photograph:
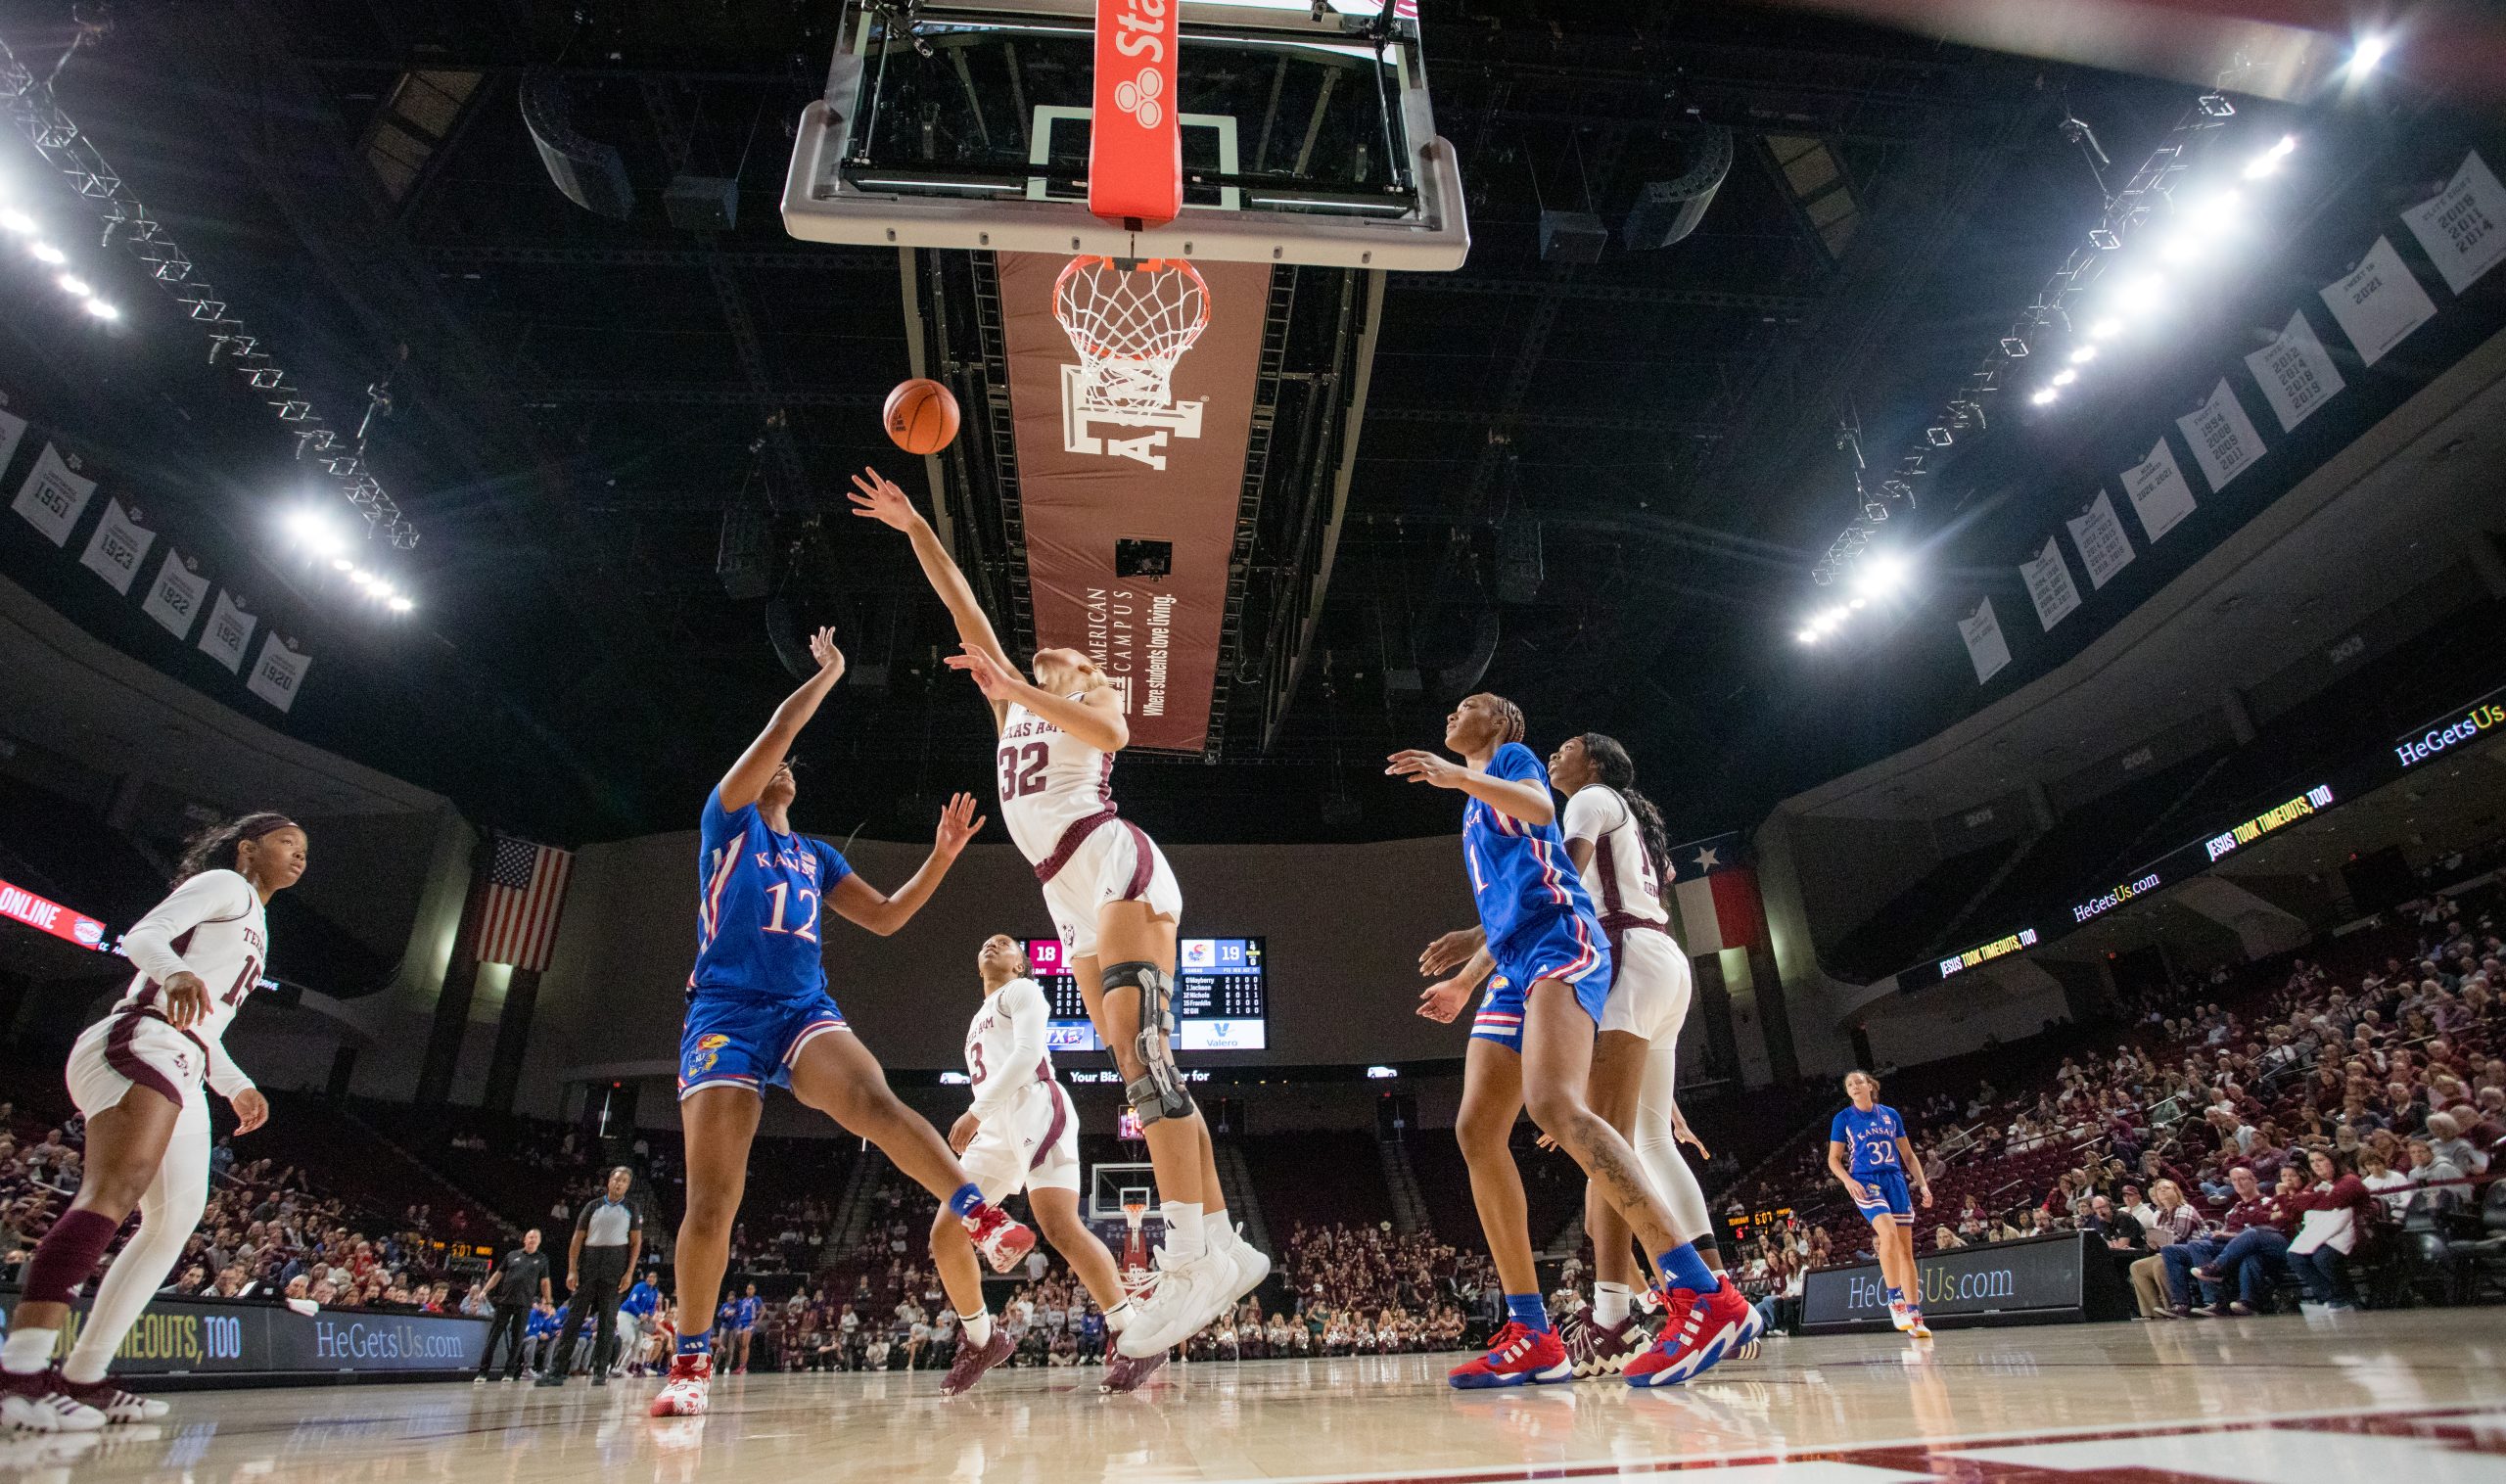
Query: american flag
(526, 891)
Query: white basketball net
(1130, 326)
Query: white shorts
(1109, 867)
(1649, 990)
(126, 1049)
(1034, 1146)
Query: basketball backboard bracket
(1307, 139)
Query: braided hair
(1514, 723)
(214, 849)
(1617, 771)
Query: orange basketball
(921, 416)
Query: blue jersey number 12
(781, 892)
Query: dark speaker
(741, 562)
(703, 202)
(1571, 237)
(589, 174)
(2380, 879)
(1667, 210)
(1519, 571)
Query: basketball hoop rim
(1094, 350)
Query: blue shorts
(746, 1040)
(1566, 948)
(1890, 1185)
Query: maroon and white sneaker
(1699, 1330)
(688, 1391)
(1517, 1355)
(971, 1364)
(1598, 1348)
(1125, 1373)
(118, 1406)
(1002, 1240)
(39, 1401)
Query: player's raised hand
(959, 823)
(186, 999)
(990, 675)
(1442, 1000)
(831, 659)
(1422, 767)
(1451, 951)
(252, 1110)
(878, 498)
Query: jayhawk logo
(709, 1049)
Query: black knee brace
(1158, 1093)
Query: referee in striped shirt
(609, 1233)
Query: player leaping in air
(1022, 1135)
(759, 1015)
(1531, 1045)
(1116, 904)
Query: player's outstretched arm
(878, 498)
(1095, 719)
(1519, 798)
(746, 781)
(862, 904)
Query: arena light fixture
(2269, 162)
(316, 533)
(75, 286)
(400, 603)
(1878, 577)
(2045, 397)
(100, 309)
(343, 564)
(16, 222)
(2065, 377)
(2084, 355)
(48, 255)
(1808, 637)
(2370, 50)
(2105, 328)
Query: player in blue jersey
(759, 1015)
(1868, 1154)
(1531, 1045)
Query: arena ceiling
(575, 403)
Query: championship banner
(279, 672)
(2048, 584)
(2224, 442)
(12, 428)
(1130, 480)
(229, 629)
(174, 598)
(227, 1337)
(115, 551)
(2097, 533)
(2157, 492)
(1985, 646)
(53, 498)
(1135, 134)
(2296, 374)
(2380, 304)
(2464, 227)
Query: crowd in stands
(2246, 1129)
(268, 1233)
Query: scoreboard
(1222, 998)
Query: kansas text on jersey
(761, 897)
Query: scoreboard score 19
(1222, 1000)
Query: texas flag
(1717, 896)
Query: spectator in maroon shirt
(2197, 1257)
(2335, 1212)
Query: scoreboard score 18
(1222, 999)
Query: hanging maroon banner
(1131, 464)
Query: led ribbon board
(2024, 938)
(18, 905)
(2455, 729)
(2278, 816)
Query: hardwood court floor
(2398, 1397)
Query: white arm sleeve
(1022, 1004)
(210, 897)
(224, 1076)
(1586, 814)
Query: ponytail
(1616, 771)
(213, 848)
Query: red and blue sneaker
(1699, 1332)
(1517, 1356)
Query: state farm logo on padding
(1138, 97)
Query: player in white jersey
(1116, 904)
(1022, 1135)
(136, 1074)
